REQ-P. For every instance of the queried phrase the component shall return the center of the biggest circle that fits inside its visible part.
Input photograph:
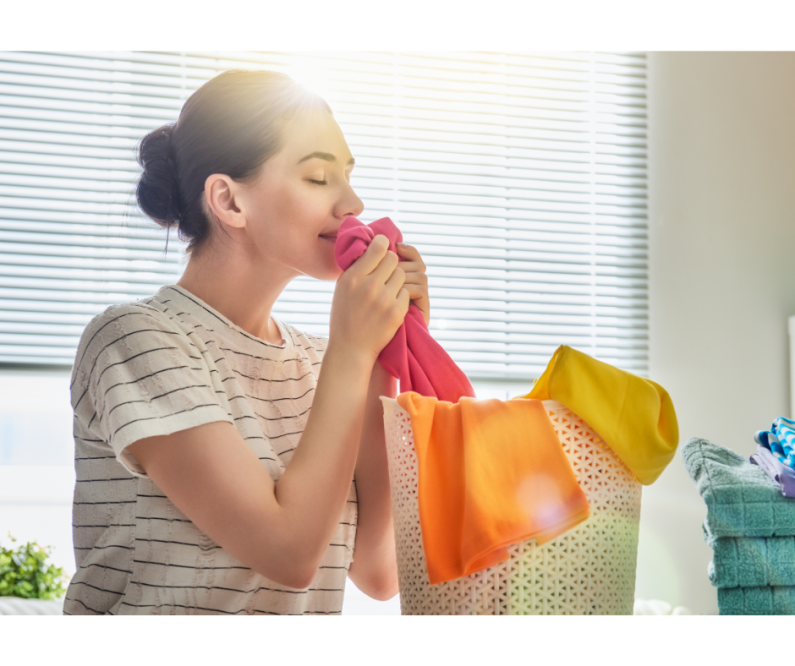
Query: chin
(325, 269)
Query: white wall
(37, 462)
(722, 280)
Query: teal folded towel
(742, 501)
(752, 561)
(756, 600)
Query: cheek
(284, 219)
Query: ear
(220, 193)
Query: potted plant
(28, 585)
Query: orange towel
(491, 473)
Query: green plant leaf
(24, 572)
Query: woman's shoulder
(117, 322)
(124, 318)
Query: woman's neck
(234, 287)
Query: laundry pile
(474, 455)
(750, 526)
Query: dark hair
(231, 125)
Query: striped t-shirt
(158, 366)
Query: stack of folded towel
(750, 526)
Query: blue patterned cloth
(780, 439)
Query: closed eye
(317, 182)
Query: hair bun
(158, 187)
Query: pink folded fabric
(412, 356)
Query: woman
(220, 467)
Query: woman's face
(300, 198)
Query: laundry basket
(589, 570)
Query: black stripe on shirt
(232, 589)
(188, 566)
(162, 395)
(93, 610)
(273, 381)
(140, 379)
(151, 418)
(212, 610)
(265, 418)
(101, 589)
(179, 543)
(281, 418)
(103, 566)
(106, 526)
(253, 397)
(262, 358)
(96, 503)
(323, 613)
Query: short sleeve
(138, 374)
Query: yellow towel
(634, 416)
(491, 473)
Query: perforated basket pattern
(589, 570)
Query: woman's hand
(369, 302)
(416, 280)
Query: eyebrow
(323, 156)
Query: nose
(349, 203)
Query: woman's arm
(282, 530)
(374, 567)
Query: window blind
(521, 178)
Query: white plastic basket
(589, 570)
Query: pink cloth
(412, 356)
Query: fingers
(415, 270)
(372, 256)
(415, 291)
(420, 279)
(404, 301)
(411, 254)
(395, 282)
(386, 268)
